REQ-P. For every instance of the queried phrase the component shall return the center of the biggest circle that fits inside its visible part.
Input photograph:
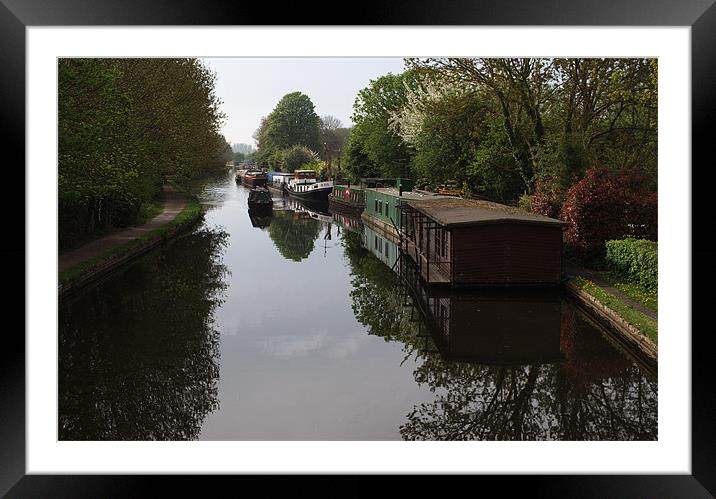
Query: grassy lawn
(646, 325)
(634, 291)
(191, 211)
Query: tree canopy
(124, 125)
(293, 122)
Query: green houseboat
(347, 199)
(381, 206)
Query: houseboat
(382, 206)
(260, 199)
(254, 178)
(347, 199)
(304, 185)
(277, 181)
(466, 242)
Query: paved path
(574, 270)
(174, 203)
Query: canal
(306, 325)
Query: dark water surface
(297, 326)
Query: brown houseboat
(465, 242)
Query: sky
(251, 87)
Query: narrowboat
(347, 199)
(260, 199)
(304, 185)
(254, 178)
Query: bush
(547, 197)
(525, 202)
(602, 207)
(635, 259)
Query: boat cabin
(463, 242)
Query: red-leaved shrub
(547, 197)
(604, 206)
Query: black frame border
(700, 15)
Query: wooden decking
(435, 275)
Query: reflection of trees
(377, 294)
(138, 354)
(594, 394)
(294, 235)
(538, 402)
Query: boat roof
(452, 211)
(304, 171)
(392, 191)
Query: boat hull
(311, 195)
(349, 207)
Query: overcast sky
(251, 87)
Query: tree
(559, 117)
(372, 111)
(298, 156)
(124, 125)
(292, 122)
(356, 162)
(333, 139)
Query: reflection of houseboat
(254, 178)
(304, 185)
(384, 249)
(260, 199)
(465, 242)
(352, 224)
(498, 326)
(260, 218)
(316, 210)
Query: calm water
(307, 326)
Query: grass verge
(190, 214)
(650, 299)
(646, 325)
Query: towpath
(174, 203)
(574, 270)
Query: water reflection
(344, 346)
(507, 365)
(138, 354)
(294, 233)
(260, 219)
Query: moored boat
(260, 199)
(304, 185)
(347, 199)
(254, 178)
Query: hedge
(635, 259)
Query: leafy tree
(292, 122)
(372, 110)
(356, 161)
(124, 125)
(297, 157)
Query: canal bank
(84, 265)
